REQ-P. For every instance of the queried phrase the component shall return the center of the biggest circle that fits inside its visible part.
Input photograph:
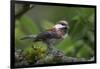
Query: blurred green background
(80, 40)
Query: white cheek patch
(59, 26)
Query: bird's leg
(52, 50)
(49, 46)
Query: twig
(23, 10)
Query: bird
(58, 31)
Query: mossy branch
(53, 56)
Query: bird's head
(62, 25)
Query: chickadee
(58, 31)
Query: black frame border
(12, 32)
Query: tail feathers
(30, 37)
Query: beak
(67, 27)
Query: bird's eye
(62, 24)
